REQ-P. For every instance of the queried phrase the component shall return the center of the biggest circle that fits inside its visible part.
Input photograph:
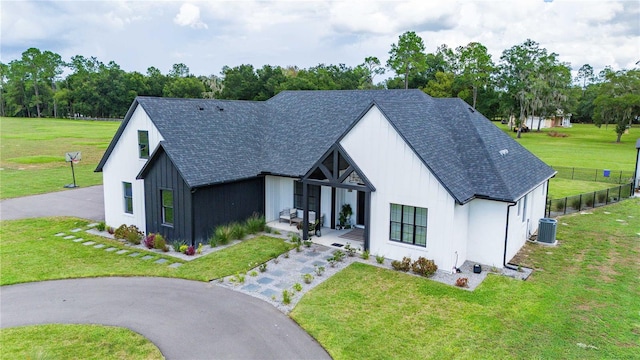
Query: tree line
(527, 80)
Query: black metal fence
(600, 175)
(575, 203)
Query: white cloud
(189, 15)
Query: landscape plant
(380, 259)
(262, 267)
(286, 297)
(297, 287)
(319, 270)
(255, 224)
(424, 267)
(238, 231)
(101, 226)
(404, 265)
(149, 241)
(462, 282)
(308, 278)
(160, 243)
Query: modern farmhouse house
(424, 177)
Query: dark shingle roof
(288, 133)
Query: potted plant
(345, 216)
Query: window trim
(125, 197)
(142, 145)
(163, 207)
(411, 224)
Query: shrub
(462, 282)
(121, 232)
(199, 249)
(177, 244)
(297, 287)
(575, 202)
(588, 200)
(558, 205)
(365, 255)
(295, 239)
(319, 270)
(129, 233)
(222, 234)
(160, 243)
(602, 196)
(286, 297)
(134, 237)
(307, 243)
(149, 241)
(332, 261)
(255, 223)
(238, 231)
(404, 265)
(424, 267)
(190, 251)
(253, 273)
(338, 255)
(262, 267)
(380, 259)
(101, 226)
(239, 278)
(350, 250)
(183, 248)
(308, 278)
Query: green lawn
(30, 252)
(75, 342)
(32, 153)
(581, 302)
(586, 146)
(560, 188)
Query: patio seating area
(329, 237)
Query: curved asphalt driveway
(185, 319)
(86, 203)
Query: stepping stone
(59, 234)
(69, 237)
(312, 254)
(134, 254)
(111, 249)
(160, 261)
(78, 240)
(147, 257)
(175, 265)
(277, 273)
(306, 270)
(618, 220)
(302, 260)
(284, 285)
(100, 246)
(120, 252)
(76, 230)
(265, 280)
(250, 287)
(319, 263)
(92, 225)
(88, 243)
(269, 293)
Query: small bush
(602, 196)
(351, 251)
(307, 243)
(121, 232)
(319, 270)
(238, 231)
(134, 237)
(588, 200)
(199, 249)
(160, 243)
(149, 241)
(295, 239)
(365, 255)
(332, 261)
(190, 251)
(222, 234)
(558, 205)
(286, 297)
(424, 267)
(238, 278)
(183, 248)
(101, 226)
(297, 287)
(253, 273)
(462, 282)
(575, 203)
(338, 255)
(130, 233)
(262, 267)
(404, 265)
(308, 278)
(255, 224)
(380, 259)
(176, 244)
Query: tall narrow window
(167, 206)
(128, 197)
(408, 224)
(143, 144)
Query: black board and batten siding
(212, 205)
(163, 175)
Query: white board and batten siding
(278, 196)
(400, 177)
(123, 165)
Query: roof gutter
(506, 238)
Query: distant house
(425, 177)
(559, 119)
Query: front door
(360, 209)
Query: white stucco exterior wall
(123, 165)
(278, 196)
(487, 221)
(400, 177)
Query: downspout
(506, 238)
(193, 218)
(546, 200)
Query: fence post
(620, 178)
(607, 200)
(593, 204)
(619, 192)
(573, 170)
(596, 178)
(565, 206)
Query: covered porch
(333, 238)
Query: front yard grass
(75, 342)
(29, 251)
(581, 302)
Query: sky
(207, 35)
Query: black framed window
(314, 196)
(128, 197)
(143, 144)
(167, 207)
(408, 224)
